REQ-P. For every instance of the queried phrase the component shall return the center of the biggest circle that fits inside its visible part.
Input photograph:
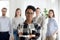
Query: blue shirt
(5, 25)
(51, 26)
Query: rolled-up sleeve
(56, 26)
(37, 27)
(11, 28)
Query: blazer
(40, 20)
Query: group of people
(18, 28)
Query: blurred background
(44, 5)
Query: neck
(18, 16)
(37, 15)
(28, 21)
(3, 15)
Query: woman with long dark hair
(52, 27)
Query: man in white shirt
(5, 26)
(40, 20)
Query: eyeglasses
(29, 13)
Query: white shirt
(16, 21)
(5, 24)
(36, 18)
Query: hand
(20, 33)
(30, 36)
(11, 37)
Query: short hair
(16, 11)
(4, 8)
(37, 8)
(51, 10)
(30, 7)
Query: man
(30, 28)
(40, 20)
(5, 26)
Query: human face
(4, 12)
(37, 12)
(18, 13)
(29, 14)
(51, 14)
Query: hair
(4, 8)
(16, 12)
(30, 7)
(37, 8)
(51, 10)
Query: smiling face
(18, 12)
(51, 14)
(29, 14)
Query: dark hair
(30, 7)
(4, 8)
(37, 8)
(51, 10)
(16, 11)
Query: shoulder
(34, 18)
(37, 26)
(7, 18)
(41, 17)
(13, 19)
(54, 20)
(22, 18)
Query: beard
(3, 14)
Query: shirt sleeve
(56, 26)
(37, 27)
(11, 28)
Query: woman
(15, 21)
(30, 28)
(52, 27)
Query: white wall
(59, 17)
(6, 5)
(16, 4)
(23, 4)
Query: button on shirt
(5, 24)
(51, 26)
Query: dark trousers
(22, 38)
(4, 35)
(33, 39)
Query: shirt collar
(3, 16)
(26, 23)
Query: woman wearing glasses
(29, 28)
